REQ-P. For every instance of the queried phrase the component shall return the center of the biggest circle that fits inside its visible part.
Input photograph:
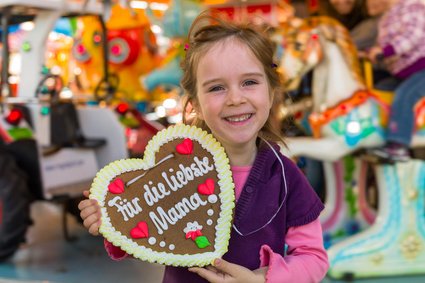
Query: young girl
(231, 84)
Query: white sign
(68, 166)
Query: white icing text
(180, 210)
(177, 181)
(126, 208)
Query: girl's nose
(235, 96)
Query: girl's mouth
(238, 118)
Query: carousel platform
(48, 257)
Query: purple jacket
(259, 202)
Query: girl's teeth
(238, 119)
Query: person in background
(231, 83)
(375, 9)
(354, 16)
(401, 44)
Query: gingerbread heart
(174, 206)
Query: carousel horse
(347, 210)
(347, 116)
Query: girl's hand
(90, 213)
(226, 272)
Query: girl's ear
(197, 110)
(272, 98)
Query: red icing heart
(185, 147)
(116, 187)
(140, 231)
(207, 188)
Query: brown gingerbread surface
(162, 202)
(174, 206)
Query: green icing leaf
(202, 242)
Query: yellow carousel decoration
(132, 52)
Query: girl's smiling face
(233, 96)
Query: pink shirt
(306, 260)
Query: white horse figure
(347, 116)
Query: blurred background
(84, 83)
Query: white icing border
(100, 184)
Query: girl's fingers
(207, 274)
(89, 210)
(85, 203)
(90, 213)
(94, 229)
(93, 219)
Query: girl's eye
(249, 82)
(215, 88)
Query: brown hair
(206, 31)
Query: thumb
(86, 193)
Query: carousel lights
(122, 108)
(66, 93)
(77, 71)
(26, 46)
(45, 70)
(14, 117)
(55, 70)
(158, 6)
(81, 49)
(353, 127)
(97, 38)
(156, 29)
(13, 79)
(169, 103)
(116, 49)
(62, 57)
(54, 36)
(26, 26)
(144, 5)
(160, 111)
(15, 64)
(45, 110)
(139, 4)
(80, 52)
(175, 119)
